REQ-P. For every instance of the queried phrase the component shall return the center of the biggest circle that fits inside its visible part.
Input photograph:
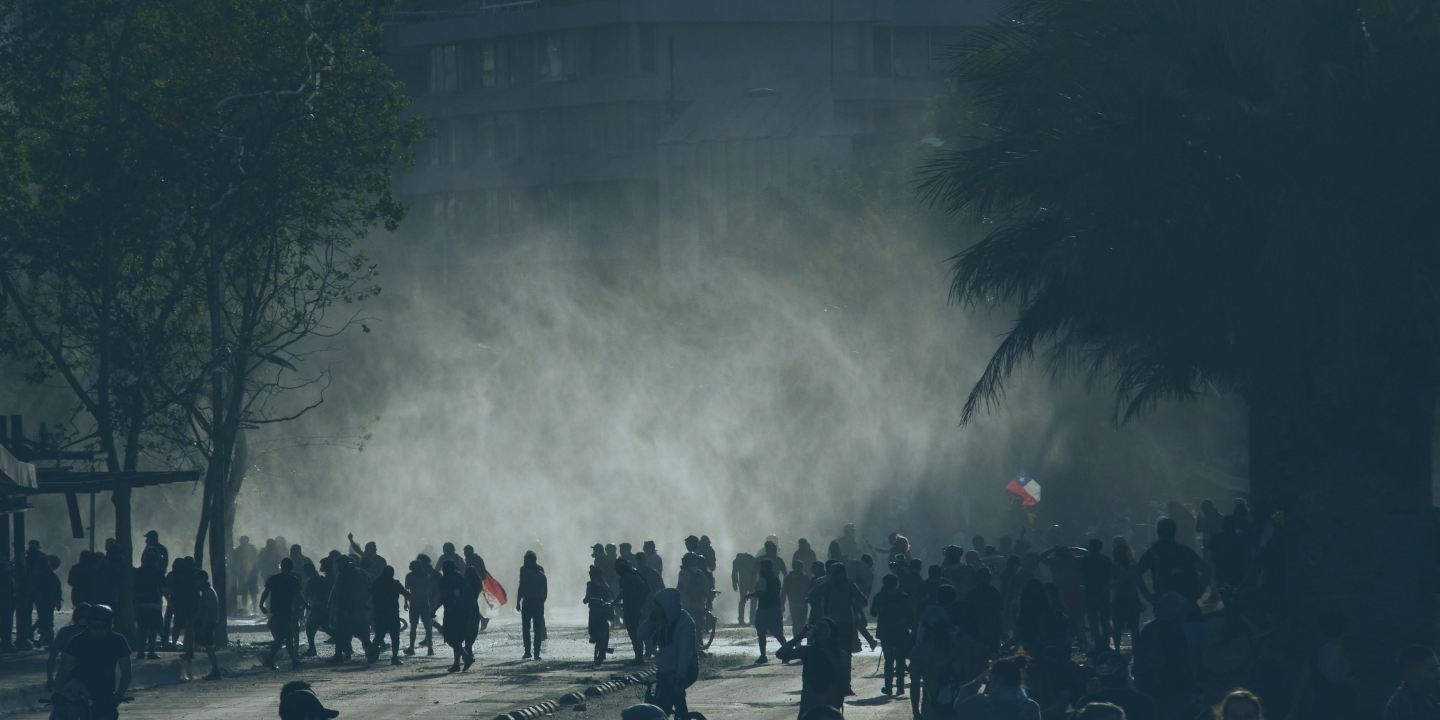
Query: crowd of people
(1008, 629)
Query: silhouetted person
(1327, 689)
(694, 585)
(707, 551)
(627, 554)
(633, 594)
(598, 601)
(1096, 571)
(930, 666)
(62, 638)
(1173, 567)
(769, 617)
(835, 554)
(112, 574)
(771, 552)
(677, 662)
(347, 609)
(45, 593)
(1125, 584)
(476, 586)
(184, 592)
(895, 627)
(530, 602)
(455, 598)
(283, 591)
(804, 554)
(424, 590)
(152, 540)
(385, 596)
(246, 573)
(92, 659)
(1004, 695)
(1415, 699)
(985, 609)
(846, 545)
(473, 560)
(653, 559)
(377, 562)
(207, 615)
(148, 596)
(796, 588)
(448, 553)
(1162, 658)
(744, 571)
(825, 676)
(317, 599)
(1229, 552)
(837, 599)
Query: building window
(485, 65)
(552, 61)
(444, 66)
(646, 40)
(485, 138)
(507, 137)
(882, 52)
(522, 60)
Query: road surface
(731, 686)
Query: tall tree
(98, 260)
(1231, 192)
(310, 125)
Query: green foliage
(1185, 191)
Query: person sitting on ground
(1420, 680)
(1239, 705)
(825, 676)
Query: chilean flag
(494, 594)
(1026, 487)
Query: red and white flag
(1026, 487)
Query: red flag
(493, 592)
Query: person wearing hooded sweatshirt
(457, 601)
(677, 664)
(1162, 659)
(1004, 696)
(825, 677)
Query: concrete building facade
(642, 130)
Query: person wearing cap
(152, 540)
(91, 658)
(304, 705)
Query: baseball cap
(303, 705)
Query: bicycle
(709, 622)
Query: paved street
(731, 686)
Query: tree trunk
(1351, 473)
(205, 502)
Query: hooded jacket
(676, 639)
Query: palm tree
(1235, 193)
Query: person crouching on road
(677, 664)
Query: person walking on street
(677, 662)
(532, 593)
